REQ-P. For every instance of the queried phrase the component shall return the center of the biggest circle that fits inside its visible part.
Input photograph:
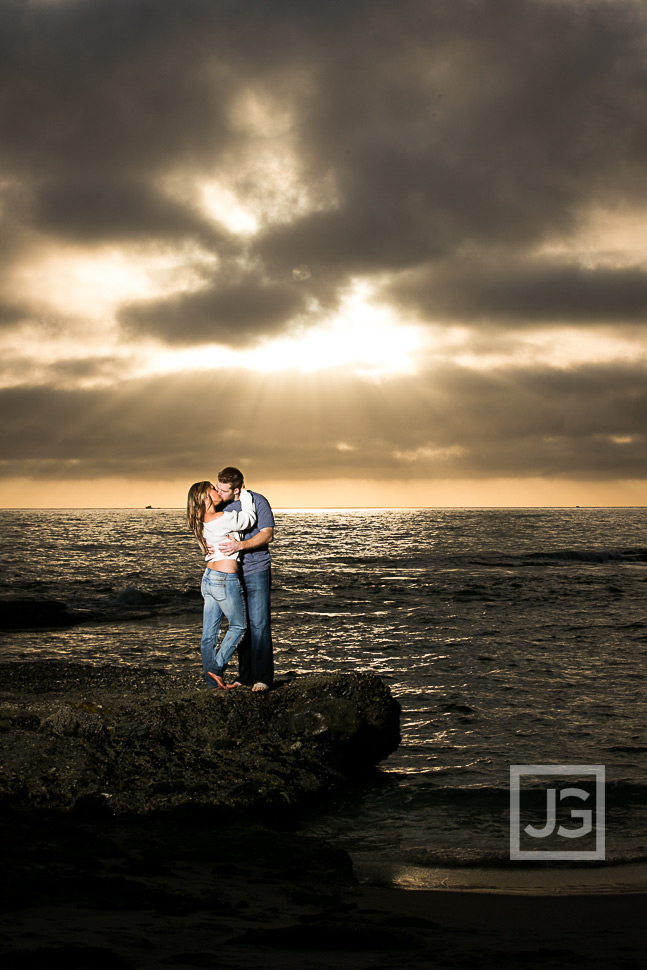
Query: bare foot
(218, 680)
(236, 683)
(259, 685)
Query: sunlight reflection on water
(509, 636)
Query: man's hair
(231, 476)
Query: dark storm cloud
(112, 207)
(445, 142)
(101, 97)
(588, 423)
(10, 314)
(470, 123)
(110, 85)
(516, 292)
(234, 312)
(441, 123)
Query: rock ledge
(135, 740)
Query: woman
(221, 587)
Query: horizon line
(304, 508)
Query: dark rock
(141, 740)
(92, 806)
(67, 722)
(72, 957)
(167, 862)
(35, 614)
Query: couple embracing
(234, 527)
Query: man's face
(227, 492)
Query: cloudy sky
(373, 252)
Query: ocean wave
(133, 597)
(587, 555)
(497, 558)
(618, 793)
(133, 602)
(482, 858)
(127, 603)
(507, 636)
(625, 791)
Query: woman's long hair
(195, 508)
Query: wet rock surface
(150, 824)
(137, 740)
(131, 803)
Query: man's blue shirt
(258, 559)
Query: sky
(372, 252)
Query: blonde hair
(195, 509)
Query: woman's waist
(227, 566)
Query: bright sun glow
(364, 338)
(224, 207)
(234, 202)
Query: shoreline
(605, 880)
(176, 889)
(205, 880)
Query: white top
(229, 523)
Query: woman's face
(213, 499)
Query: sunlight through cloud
(364, 338)
(559, 347)
(221, 204)
(94, 284)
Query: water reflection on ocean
(509, 637)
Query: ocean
(509, 636)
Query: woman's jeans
(223, 596)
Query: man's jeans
(255, 660)
(223, 596)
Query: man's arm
(262, 538)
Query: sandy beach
(99, 893)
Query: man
(255, 657)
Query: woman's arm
(246, 518)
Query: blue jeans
(223, 596)
(255, 659)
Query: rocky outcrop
(34, 614)
(134, 740)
